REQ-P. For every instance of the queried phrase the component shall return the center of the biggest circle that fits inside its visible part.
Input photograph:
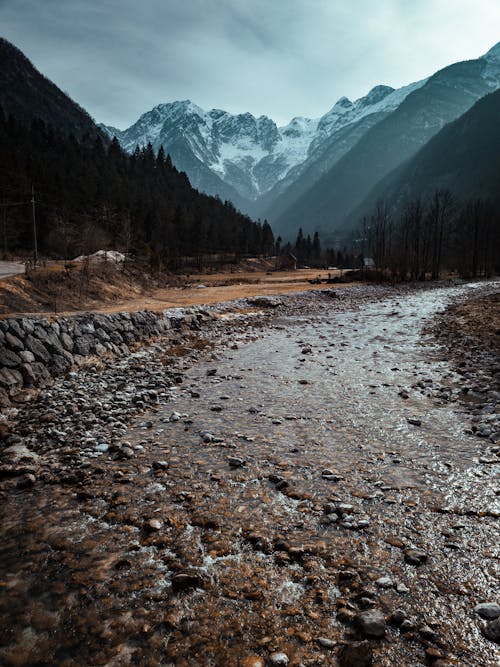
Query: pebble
(185, 580)
(492, 630)
(160, 465)
(236, 462)
(397, 617)
(488, 610)
(153, 525)
(356, 654)
(371, 623)
(415, 556)
(279, 659)
(385, 582)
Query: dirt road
(8, 269)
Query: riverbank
(110, 288)
(290, 483)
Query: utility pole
(4, 229)
(35, 243)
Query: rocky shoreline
(470, 336)
(88, 445)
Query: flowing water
(269, 501)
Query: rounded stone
(372, 623)
(488, 610)
(357, 654)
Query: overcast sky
(281, 58)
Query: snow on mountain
(250, 154)
(492, 70)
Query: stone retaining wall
(35, 350)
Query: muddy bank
(292, 486)
(469, 334)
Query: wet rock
(153, 525)
(414, 421)
(397, 617)
(371, 623)
(357, 654)
(488, 610)
(186, 580)
(432, 654)
(492, 630)
(427, 633)
(160, 465)
(125, 452)
(26, 481)
(407, 625)
(331, 476)
(415, 556)
(19, 454)
(327, 643)
(236, 462)
(385, 582)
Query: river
(291, 482)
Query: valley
(249, 366)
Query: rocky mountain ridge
(251, 155)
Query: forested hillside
(90, 195)
(28, 94)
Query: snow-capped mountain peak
(248, 153)
(376, 94)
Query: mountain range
(90, 194)
(463, 157)
(312, 173)
(321, 174)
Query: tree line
(431, 236)
(91, 195)
(308, 251)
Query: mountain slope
(226, 154)
(443, 98)
(463, 158)
(329, 147)
(27, 94)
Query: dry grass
(107, 289)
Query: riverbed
(293, 476)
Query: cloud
(118, 58)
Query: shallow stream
(268, 502)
